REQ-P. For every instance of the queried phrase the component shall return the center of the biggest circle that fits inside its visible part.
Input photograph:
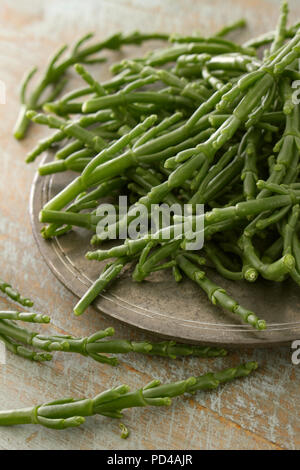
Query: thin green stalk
(7, 289)
(67, 412)
(108, 274)
(218, 295)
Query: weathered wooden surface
(261, 412)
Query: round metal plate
(159, 305)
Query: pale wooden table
(261, 412)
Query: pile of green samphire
(200, 121)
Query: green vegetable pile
(201, 121)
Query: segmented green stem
(68, 412)
(7, 289)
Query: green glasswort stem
(147, 264)
(273, 252)
(67, 412)
(115, 166)
(24, 316)
(164, 100)
(99, 168)
(88, 221)
(296, 250)
(54, 72)
(129, 248)
(208, 150)
(224, 177)
(103, 190)
(109, 274)
(22, 351)
(87, 77)
(70, 129)
(288, 151)
(242, 23)
(280, 33)
(213, 253)
(91, 346)
(275, 271)
(267, 38)
(272, 219)
(134, 247)
(30, 338)
(69, 149)
(113, 84)
(76, 162)
(107, 154)
(287, 148)
(214, 171)
(157, 193)
(218, 295)
(59, 135)
(213, 46)
(250, 208)
(249, 175)
(289, 231)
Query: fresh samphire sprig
(68, 412)
(54, 74)
(16, 337)
(11, 292)
(216, 125)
